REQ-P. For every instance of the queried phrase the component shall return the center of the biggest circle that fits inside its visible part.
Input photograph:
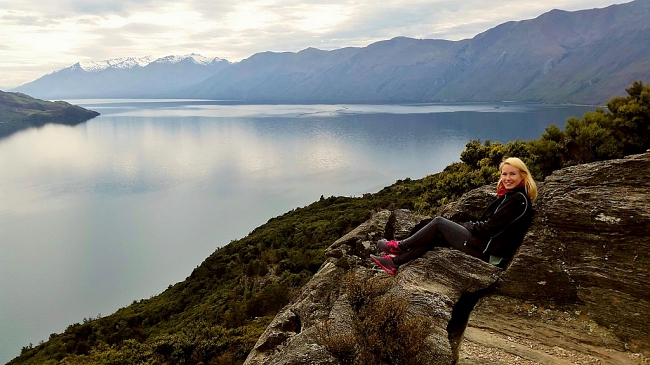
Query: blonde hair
(531, 187)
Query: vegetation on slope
(216, 315)
(19, 111)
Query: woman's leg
(412, 254)
(439, 232)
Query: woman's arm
(511, 208)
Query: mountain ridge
(580, 57)
(506, 62)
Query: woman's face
(510, 176)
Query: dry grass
(383, 332)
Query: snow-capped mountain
(123, 63)
(193, 57)
(127, 63)
(127, 77)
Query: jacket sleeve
(494, 222)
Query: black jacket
(503, 225)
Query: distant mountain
(124, 77)
(585, 56)
(19, 111)
(581, 57)
(398, 70)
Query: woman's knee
(441, 222)
(438, 220)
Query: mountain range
(559, 57)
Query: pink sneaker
(386, 263)
(390, 247)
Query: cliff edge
(576, 292)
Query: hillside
(574, 294)
(218, 313)
(19, 111)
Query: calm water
(95, 216)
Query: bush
(383, 332)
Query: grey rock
(431, 286)
(587, 252)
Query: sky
(39, 37)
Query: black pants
(440, 232)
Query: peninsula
(19, 111)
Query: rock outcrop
(578, 287)
(577, 291)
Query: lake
(118, 208)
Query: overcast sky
(38, 37)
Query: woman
(494, 238)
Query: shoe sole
(387, 270)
